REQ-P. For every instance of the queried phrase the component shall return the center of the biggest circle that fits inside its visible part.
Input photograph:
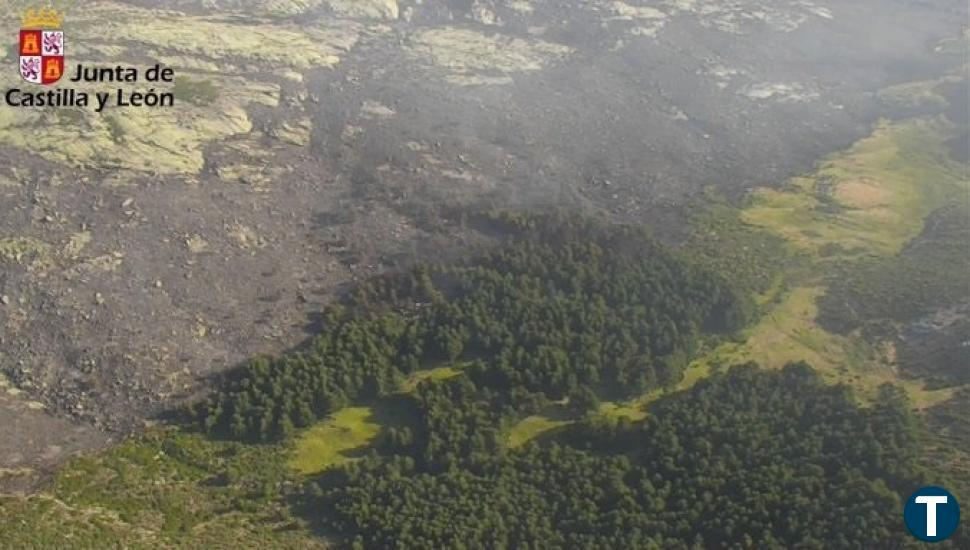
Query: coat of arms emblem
(41, 46)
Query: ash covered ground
(315, 143)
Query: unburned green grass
(532, 427)
(332, 441)
(439, 373)
(872, 198)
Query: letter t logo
(931, 514)
(930, 502)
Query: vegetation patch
(698, 473)
(790, 333)
(531, 427)
(636, 409)
(751, 258)
(371, 9)
(569, 304)
(566, 311)
(829, 242)
(24, 250)
(165, 489)
(332, 442)
(438, 373)
(844, 226)
(932, 272)
(871, 199)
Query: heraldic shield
(41, 47)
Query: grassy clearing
(636, 409)
(351, 430)
(439, 373)
(333, 441)
(789, 333)
(871, 199)
(532, 427)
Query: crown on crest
(44, 17)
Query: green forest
(566, 305)
(746, 459)
(564, 313)
(484, 403)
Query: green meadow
(332, 442)
(531, 427)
